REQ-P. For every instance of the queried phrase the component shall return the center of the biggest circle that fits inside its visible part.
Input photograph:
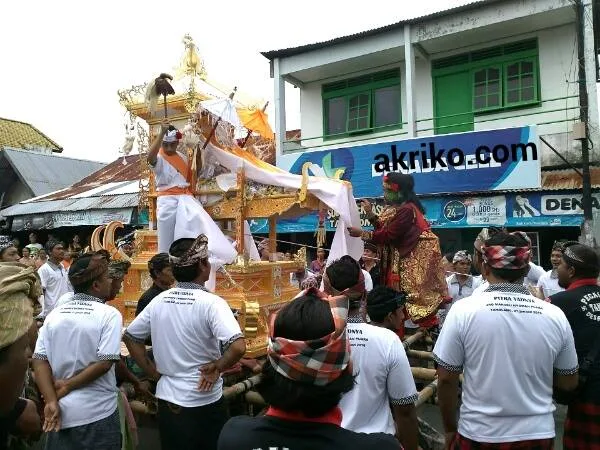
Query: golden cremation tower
(252, 288)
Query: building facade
(475, 102)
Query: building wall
(557, 62)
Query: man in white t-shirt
(74, 363)
(188, 326)
(382, 371)
(510, 347)
(548, 283)
(54, 277)
(461, 283)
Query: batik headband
(461, 255)
(484, 235)
(5, 242)
(97, 265)
(118, 269)
(508, 256)
(388, 306)
(318, 361)
(575, 260)
(354, 293)
(172, 136)
(197, 252)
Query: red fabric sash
(333, 417)
(582, 282)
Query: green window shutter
(521, 82)
(487, 88)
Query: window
(363, 104)
(521, 80)
(502, 77)
(487, 88)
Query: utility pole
(587, 236)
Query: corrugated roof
(24, 135)
(115, 172)
(272, 54)
(44, 173)
(556, 180)
(114, 186)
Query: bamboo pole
(241, 387)
(255, 398)
(426, 393)
(423, 373)
(420, 354)
(413, 339)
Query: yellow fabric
(19, 289)
(256, 120)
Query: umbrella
(223, 109)
(255, 120)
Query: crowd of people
(509, 343)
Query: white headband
(170, 136)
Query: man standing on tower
(178, 213)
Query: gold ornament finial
(191, 64)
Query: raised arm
(157, 143)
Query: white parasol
(224, 109)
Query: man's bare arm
(407, 427)
(157, 143)
(137, 350)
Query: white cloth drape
(336, 194)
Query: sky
(64, 61)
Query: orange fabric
(178, 163)
(175, 191)
(256, 120)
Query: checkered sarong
(462, 443)
(319, 361)
(582, 427)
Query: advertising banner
(71, 219)
(495, 160)
(535, 209)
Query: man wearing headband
(308, 370)
(578, 273)
(179, 214)
(381, 369)
(529, 281)
(548, 285)
(55, 279)
(8, 252)
(189, 327)
(19, 288)
(74, 363)
(512, 348)
(460, 283)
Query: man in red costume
(409, 251)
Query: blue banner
(495, 160)
(522, 210)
